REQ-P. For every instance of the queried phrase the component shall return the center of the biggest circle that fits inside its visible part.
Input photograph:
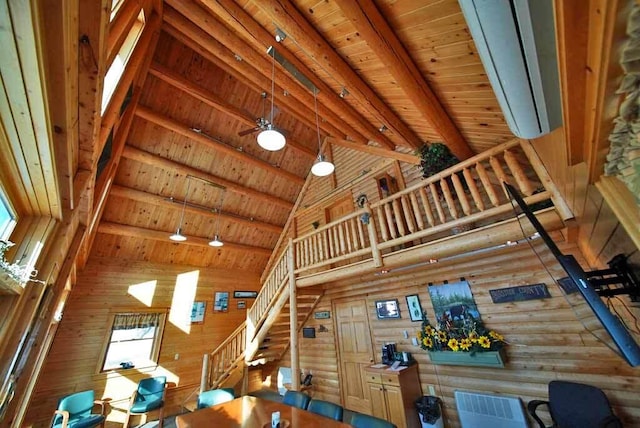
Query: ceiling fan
(262, 122)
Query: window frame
(6, 230)
(157, 339)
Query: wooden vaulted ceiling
(409, 66)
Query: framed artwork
(386, 309)
(221, 302)
(197, 312)
(453, 302)
(242, 304)
(245, 294)
(415, 309)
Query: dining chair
(75, 410)
(148, 396)
(215, 396)
(326, 408)
(296, 399)
(360, 420)
(575, 405)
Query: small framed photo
(242, 304)
(245, 294)
(415, 309)
(386, 309)
(197, 312)
(221, 302)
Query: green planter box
(479, 359)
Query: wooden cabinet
(393, 394)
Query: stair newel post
(293, 320)
(204, 379)
(373, 239)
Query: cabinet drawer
(373, 377)
(390, 380)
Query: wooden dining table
(253, 412)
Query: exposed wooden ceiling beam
(185, 131)
(255, 66)
(412, 159)
(242, 23)
(160, 162)
(158, 235)
(93, 24)
(379, 35)
(291, 21)
(216, 102)
(160, 201)
(120, 26)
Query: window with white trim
(134, 340)
(7, 218)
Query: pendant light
(216, 241)
(321, 167)
(271, 139)
(178, 236)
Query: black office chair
(574, 405)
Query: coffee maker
(388, 353)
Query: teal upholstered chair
(75, 411)
(215, 396)
(296, 399)
(326, 408)
(148, 396)
(359, 420)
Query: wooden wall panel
(103, 287)
(546, 339)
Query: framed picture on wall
(197, 312)
(415, 310)
(221, 301)
(387, 309)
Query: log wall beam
(376, 151)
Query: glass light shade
(216, 242)
(271, 140)
(322, 167)
(178, 236)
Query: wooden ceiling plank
(379, 35)
(377, 151)
(239, 20)
(160, 162)
(161, 201)
(93, 25)
(158, 235)
(254, 66)
(216, 102)
(185, 131)
(291, 21)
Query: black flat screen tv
(617, 332)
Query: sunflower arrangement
(469, 335)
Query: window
(134, 340)
(7, 218)
(116, 68)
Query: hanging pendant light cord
(273, 80)
(315, 103)
(184, 204)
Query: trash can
(428, 407)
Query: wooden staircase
(408, 227)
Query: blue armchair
(75, 411)
(148, 396)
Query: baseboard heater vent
(489, 411)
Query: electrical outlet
(406, 334)
(432, 390)
(414, 341)
(176, 357)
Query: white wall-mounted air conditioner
(516, 43)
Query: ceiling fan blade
(248, 131)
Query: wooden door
(378, 402)
(356, 352)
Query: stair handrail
(226, 355)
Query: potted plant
(435, 157)
(462, 342)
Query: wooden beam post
(293, 319)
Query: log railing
(466, 195)
(226, 356)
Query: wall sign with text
(520, 293)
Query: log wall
(546, 340)
(104, 287)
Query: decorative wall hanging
(245, 294)
(322, 315)
(387, 309)
(415, 309)
(197, 312)
(221, 302)
(519, 293)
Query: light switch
(414, 340)
(175, 357)
(406, 334)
